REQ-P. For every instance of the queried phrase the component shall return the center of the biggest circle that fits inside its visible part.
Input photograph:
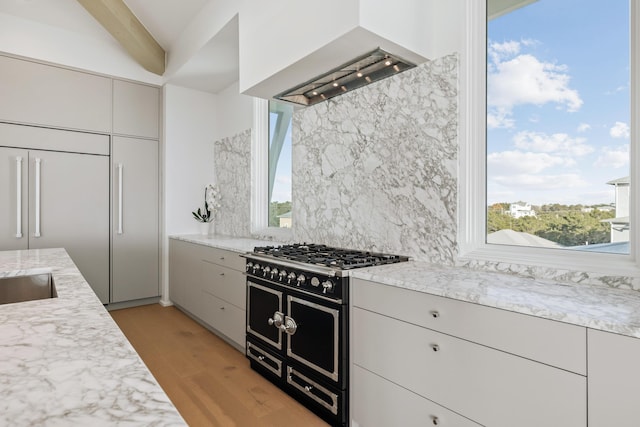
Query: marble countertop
(236, 244)
(597, 307)
(65, 362)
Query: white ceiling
(211, 69)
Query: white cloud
(499, 51)
(620, 130)
(515, 78)
(499, 118)
(519, 162)
(559, 143)
(613, 157)
(583, 127)
(526, 80)
(541, 182)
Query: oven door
(316, 340)
(264, 314)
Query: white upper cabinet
(285, 43)
(40, 94)
(136, 109)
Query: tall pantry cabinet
(136, 252)
(79, 169)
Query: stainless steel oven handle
(276, 320)
(290, 326)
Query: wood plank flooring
(209, 382)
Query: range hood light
(373, 66)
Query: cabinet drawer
(547, 341)
(378, 402)
(224, 283)
(224, 317)
(491, 387)
(614, 380)
(225, 258)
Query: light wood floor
(209, 381)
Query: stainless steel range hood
(365, 69)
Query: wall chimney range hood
(363, 70)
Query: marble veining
(597, 307)
(233, 175)
(64, 361)
(584, 278)
(376, 168)
(235, 244)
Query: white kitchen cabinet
(41, 94)
(378, 402)
(224, 293)
(614, 380)
(469, 375)
(558, 344)
(136, 109)
(209, 284)
(184, 274)
(56, 208)
(136, 207)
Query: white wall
(190, 119)
(235, 112)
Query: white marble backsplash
(376, 168)
(233, 175)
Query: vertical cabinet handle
(37, 210)
(18, 197)
(120, 167)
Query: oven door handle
(276, 320)
(290, 326)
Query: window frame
(472, 163)
(260, 175)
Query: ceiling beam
(123, 25)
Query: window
(271, 195)
(279, 188)
(479, 163)
(558, 114)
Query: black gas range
(297, 320)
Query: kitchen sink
(27, 288)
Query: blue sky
(558, 102)
(282, 182)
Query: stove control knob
(274, 273)
(249, 265)
(291, 277)
(256, 268)
(301, 280)
(315, 282)
(282, 275)
(327, 286)
(266, 271)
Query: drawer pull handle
(435, 314)
(222, 308)
(435, 347)
(435, 421)
(221, 258)
(222, 274)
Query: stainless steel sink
(27, 288)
